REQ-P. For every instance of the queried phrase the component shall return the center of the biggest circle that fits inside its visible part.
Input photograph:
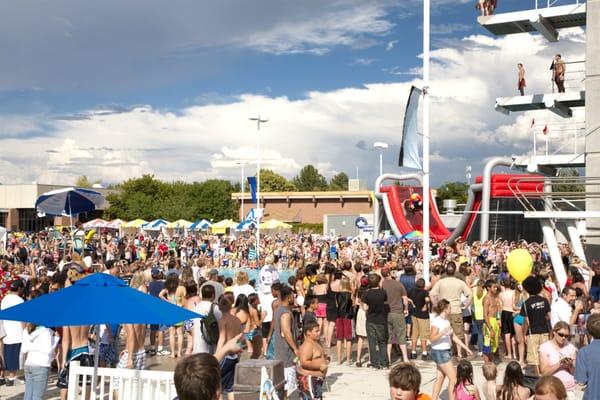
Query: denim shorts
(441, 356)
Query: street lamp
(381, 146)
(257, 211)
(242, 164)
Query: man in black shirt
(374, 300)
(536, 311)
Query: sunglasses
(563, 335)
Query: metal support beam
(558, 108)
(555, 256)
(544, 27)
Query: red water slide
(407, 220)
(502, 185)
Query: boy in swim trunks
(313, 364)
(491, 329)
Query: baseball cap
(16, 284)
(155, 271)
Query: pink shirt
(548, 351)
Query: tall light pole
(381, 146)
(426, 101)
(257, 210)
(242, 164)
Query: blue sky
(115, 89)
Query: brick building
(308, 207)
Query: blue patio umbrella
(68, 201)
(94, 300)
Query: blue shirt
(587, 371)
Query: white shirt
(266, 305)
(203, 308)
(242, 289)
(560, 311)
(40, 346)
(445, 342)
(14, 329)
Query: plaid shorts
(139, 362)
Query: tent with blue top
(202, 224)
(155, 225)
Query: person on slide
(416, 202)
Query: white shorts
(290, 379)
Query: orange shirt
(423, 396)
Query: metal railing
(552, 3)
(562, 193)
(559, 138)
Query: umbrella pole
(96, 360)
(71, 227)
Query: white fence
(133, 385)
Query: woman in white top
(39, 347)
(441, 338)
(241, 285)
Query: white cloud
(364, 61)
(446, 29)
(204, 141)
(340, 28)
(390, 45)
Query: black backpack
(209, 327)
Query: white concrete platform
(546, 21)
(559, 103)
(552, 160)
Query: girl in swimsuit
(254, 326)
(191, 300)
(174, 294)
(242, 312)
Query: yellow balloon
(90, 235)
(520, 264)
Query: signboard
(361, 222)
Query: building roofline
(306, 195)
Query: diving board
(551, 160)
(559, 103)
(546, 21)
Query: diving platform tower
(548, 19)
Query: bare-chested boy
(491, 329)
(230, 326)
(74, 348)
(74, 344)
(134, 355)
(313, 364)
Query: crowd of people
(315, 301)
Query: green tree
(452, 190)
(339, 182)
(273, 182)
(214, 200)
(568, 185)
(309, 179)
(84, 182)
(149, 198)
(135, 198)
